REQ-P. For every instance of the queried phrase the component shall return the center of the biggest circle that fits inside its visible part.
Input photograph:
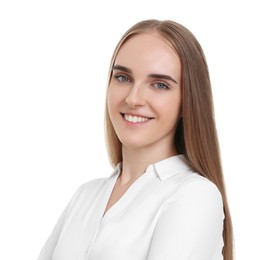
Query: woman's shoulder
(195, 180)
(92, 185)
(194, 188)
(88, 189)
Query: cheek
(171, 108)
(111, 98)
(113, 101)
(116, 96)
(177, 108)
(110, 104)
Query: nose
(135, 97)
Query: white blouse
(169, 213)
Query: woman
(166, 197)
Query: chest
(127, 225)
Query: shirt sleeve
(191, 225)
(49, 246)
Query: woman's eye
(122, 78)
(161, 85)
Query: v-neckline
(113, 200)
(108, 212)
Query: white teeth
(135, 119)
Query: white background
(54, 58)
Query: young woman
(166, 197)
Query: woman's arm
(47, 250)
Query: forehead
(150, 53)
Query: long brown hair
(196, 135)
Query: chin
(134, 143)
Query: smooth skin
(144, 103)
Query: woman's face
(144, 97)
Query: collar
(116, 170)
(165, 168)
(170, 166)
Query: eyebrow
(122, 68)
(162, 76)
(153, 75)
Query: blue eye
(161, 85)
(122, 78)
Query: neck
(135, 161)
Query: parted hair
(196, 135)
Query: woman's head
(195, 132)
(194, 82)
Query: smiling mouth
(135, 119)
